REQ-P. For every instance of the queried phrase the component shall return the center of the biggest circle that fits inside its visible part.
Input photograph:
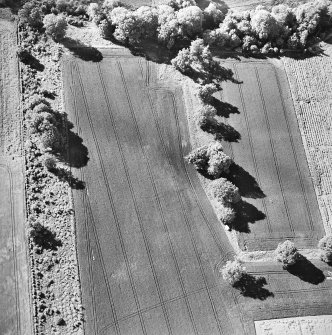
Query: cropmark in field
(271, 167)
(149, 243)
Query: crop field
(148, 239)
(9, 95)
(311, 87)
(273, 176)
(15, 304)
(149, 244)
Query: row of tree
(259, 30)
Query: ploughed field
(274, 175)
(149, 242)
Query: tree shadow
(153, 51)
(44, 238)
(253, 287)
(82, 51)
(76, 154)
(32, 61)
(67, 175)
(222, 131)
(246, 183)
(77, 151)
(216, 74)
(245, 213)
(224, 109)
(306, 271)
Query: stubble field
(273, 176)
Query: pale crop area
(311, 86)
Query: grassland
(273, 174)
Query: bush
(205, 92)
(49, 162)
(51, 139)
(219, 162)
(233, 272)
(199, 158)
(205, 118)
(105, 29)
(210, 159)
(224, 191)
(190, 20)
(31, 13)
(287, 254)
(178, 4)
(197, 58)
(325, 246)
(55, 26)
(214, 14)
(226, 214)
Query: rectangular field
(148, 239)
(275, 178)
(14, 284)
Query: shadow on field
(222, 131)
(224, 109)
(307, 271)
(75, 155)
(245, 213)
(253, 287)
(78, 152)
(67, 175)
(246, 183)
(82, 51)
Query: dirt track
(276, 178)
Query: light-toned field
(9, 95)
(311, 86)
(310, 325)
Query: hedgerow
(264, 30)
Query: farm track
(290, 222)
